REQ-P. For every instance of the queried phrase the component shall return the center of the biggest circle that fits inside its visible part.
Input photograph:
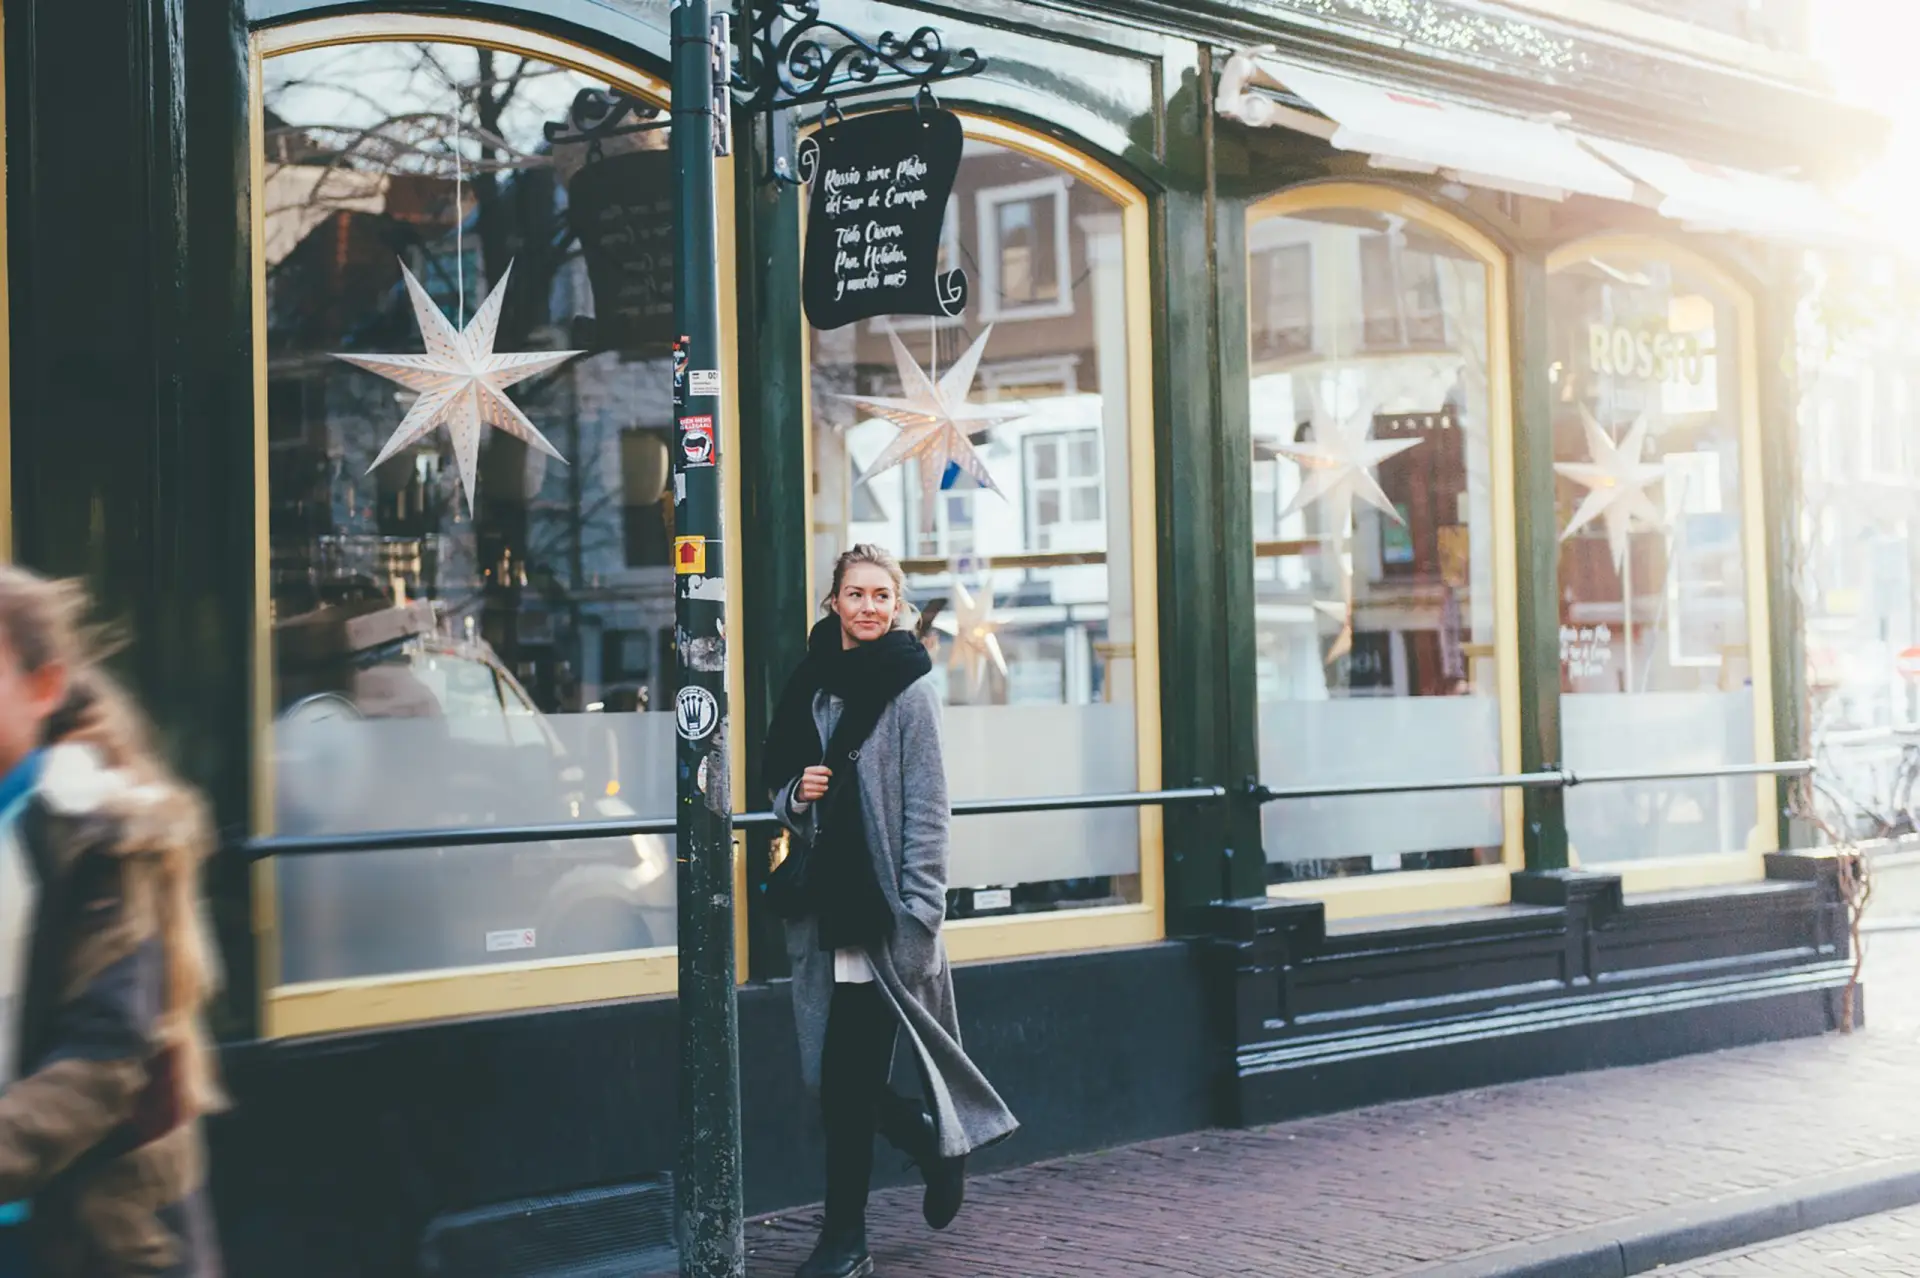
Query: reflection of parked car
(387, 723)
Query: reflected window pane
(1374, 577)
(1033, 642)
(1654, 659)
(450, 653)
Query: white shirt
(850, 965)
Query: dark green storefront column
(132, 429)
(1205, 529)
(1537, 561)
(774, 474)
(1775, 304)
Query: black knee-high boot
(853, 1073)
(910, 1129)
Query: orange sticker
(690, 556)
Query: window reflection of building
(1023, 230)
(1400, 289)
(1280, 282)
(1375, 598)
(1046, 560)
(531, 626)
(1063, 491)
(1657, 644)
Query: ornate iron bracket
(789, 56)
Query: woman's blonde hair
(877, 557)
(43, 623)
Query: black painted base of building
(342, 1154)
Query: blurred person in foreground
(104, 1066)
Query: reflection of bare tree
(433, 154)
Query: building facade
(1395, 436)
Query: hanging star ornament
(976, 634)
(1340, 611)
(935, 420)
(460, 381)
(1616, 481)
(1337, 467)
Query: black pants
(855, 1099)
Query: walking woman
(854, 759)
(104, 1069)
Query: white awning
(1711, 197)
(1399, 128)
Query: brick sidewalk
(1392, 1189)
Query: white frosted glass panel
(1400, 740)
(1651, 731)
(371, 913)
(1011, 752)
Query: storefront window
(1375, 511)
(1030, 587)
(472, 613)
(1656, 666)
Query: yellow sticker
(690, 556)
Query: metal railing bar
(1517, 781)
(1785, 768)
(1086, 802)
(1548, 780)
(574, 831)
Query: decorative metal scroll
(790, 56)
(600, 114)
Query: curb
(1639, 1244)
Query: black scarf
(834, 880)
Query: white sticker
(707, 589)
(703, 382)
(993, 899)
(695, 712)
(519, 938)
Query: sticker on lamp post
(695, 713)
(690, 556)
(696, 440)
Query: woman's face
(866, 604)
(27, 700)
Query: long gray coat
(903, 791)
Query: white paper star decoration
(976, 634)
(461, 382)
(934, 420)
(1338, 467)
(1616, 481)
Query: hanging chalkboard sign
(879, 197)
(622, 210)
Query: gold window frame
(360, 1003)
(1098, 927)
(6, 336)
(1406, 891)
(1749, 864)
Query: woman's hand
(813, 784)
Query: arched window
(1042, 592)
(467, 601)
(1663, 639)
(1383, 526)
